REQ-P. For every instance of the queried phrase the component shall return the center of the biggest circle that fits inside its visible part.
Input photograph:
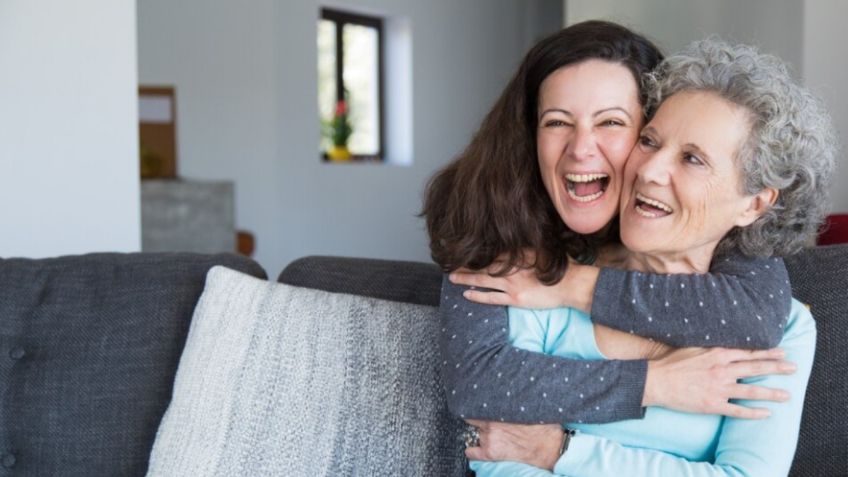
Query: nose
(583, 144)
(656, 168)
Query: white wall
(68, 127)
(826, 72)
(774, 25)
(245, 75)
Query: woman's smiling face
(589, 119)
(682, 189)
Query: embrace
(630, 211)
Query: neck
(689, 262)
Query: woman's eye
(646, 141)
(692, 159)
(612, 122)
(555, 123)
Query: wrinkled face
(682, 184)
(589, 119)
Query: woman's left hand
(533, 444)
(522, 288)
(519, 288)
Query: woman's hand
(521, 288)
(702, 380)
(535, 444)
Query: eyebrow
(598, 113)
(649, 129)
(614, 108)
(554, 110)
(691, 145)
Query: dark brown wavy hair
(490, 201)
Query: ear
(758, 204)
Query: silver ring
(471, 436)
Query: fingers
(748, 355)
(748, 369)
(473, 279)
(476, 453)
(487, 298)
(742, 412)
(758, 393)
(479, 452)
(483, 281)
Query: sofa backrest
(408, 282)
(89, 348)
(819, 278)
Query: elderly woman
(540, 182)
(736, 156)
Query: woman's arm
(485, 377)
(745, 447)
(751, 295)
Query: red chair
(834, 230)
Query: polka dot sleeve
(485, 377)
(742, 303)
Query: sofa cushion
(280, 380)
(89, 347)
(408, 282)
(819, 278)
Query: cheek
(632, 163)
(617, 147)
(707, 211)
(548, 152)
(546, 145)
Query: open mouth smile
(586, 187)
(651, 208)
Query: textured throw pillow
(280, 380)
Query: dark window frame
(340, 18)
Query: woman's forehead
(597, 83)
(703, 118)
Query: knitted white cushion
(280, 380)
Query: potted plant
(338, 129)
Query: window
(350, 68)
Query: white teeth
(654, 203)
(585, 177)
(644, 213)
(585, 198)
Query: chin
(633, 245)
(589, 223)
(586, 229)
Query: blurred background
(288, 128)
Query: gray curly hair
(791, 147)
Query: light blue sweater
(668, 443)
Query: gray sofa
(89, 347)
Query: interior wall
(826, 72)
(776, 26)
(542, 18)
(245, 77)
(68, 127)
